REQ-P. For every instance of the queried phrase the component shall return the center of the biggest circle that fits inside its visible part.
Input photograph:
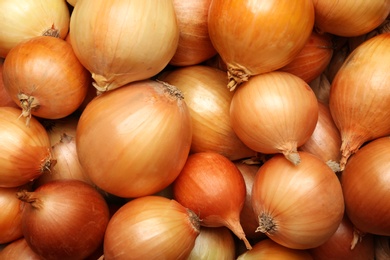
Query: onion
(10, 216)
(360, 95)
(194, 44)
(346, 244)
(145, 129)
(275, 112)
(241, 32)
(64, 219)
(212, 187)
(151, 227)
(5, 99)
(338, 59)
(321, 88)
(25, 152)
(365, 181)
(22, 20)
(313, 59)
(204, 90)
(382, 247)
(122, 41)
(57, 128)
(45, 78)
(350, 17)
(18, 250)
(298, 206)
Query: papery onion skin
(145, 129)
(299, 206)
(18, 250)
(151, 227)
(121, 41)
(25, 152)
(359, 95)
(22, 20)
(365, 181)
(241, 32)
(274, 112)
(10, 216)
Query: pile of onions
(298, 206)
(123, 41)
(64, 219)
(145, 129)
(212, 186)
(241, 32)
(10, 216)
(25, 152)
(26, 19)
(275, 112)
(44, 77)
(350, 17)
(204, 90)
(194, 42)
(151, 227)
(360, 95)
(365, 181)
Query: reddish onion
(10, 216)
(298, 206)
(275, 112)
(64, 219)
(18, 250)
(212, 187)
(151, 227)
(145, 129)
(360, 95)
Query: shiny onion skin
(151, 227)
(298, 206)
(18, 250)
(44, 77)
(204, 89)
(365, 181)
(140, 135)
(25, 152)
(274, 112)
(122, 41)
(241, 32)
(349, 17)
(212, 186)
(10, 216)
(5, 99)
(194, 42)
(360, 95)
(64, 219)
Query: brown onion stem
(266, 224)
(236, 76)
(235, 227)
(29, 197)
(194, 219)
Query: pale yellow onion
(21, 20)
(204, 90)
(256, 36)
(10, 216)
(350, 17)
(122, 41)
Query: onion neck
(349, 146)
(28, 104)
(290, 152)
(194, 220)
(31, 198)
(235, 226)
(236, 76)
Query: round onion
(360, 95)
(123, 41)
(145, 129)
(275, 112)
(10, 216)
(44, 77)
(64, 219)
(151, 227)
(25, 152)
(18, 250)
(241, 32)
(298, 206)
(5, 99)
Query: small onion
(18, 250)
(10, 216)
(212, 187)
(360, 95)
(298, 206)
(25, 152)
(275, 112)
(151, 227)
(145, 130)
(122, 41)
(64, 219)
(241, 32)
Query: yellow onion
(350, 17)
(21, 20)
(204, 90)
(298, 206)
(254, 36)
(122, 41)
(274, 112)
(18, 250)
(10, 216)
(360, 95)
(5, 99)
